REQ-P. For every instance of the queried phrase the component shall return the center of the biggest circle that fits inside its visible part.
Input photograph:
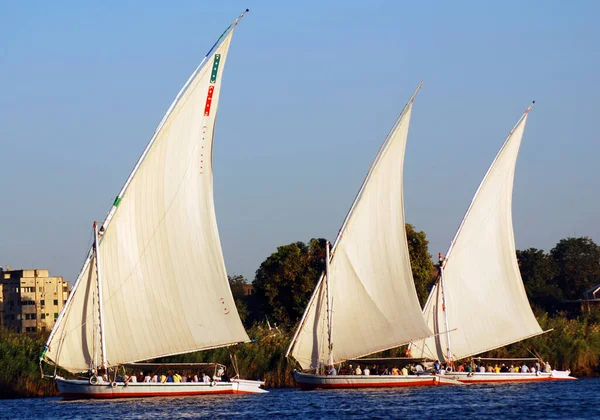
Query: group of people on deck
(376, 370)
(481, 368)
(167, 377)
(417, 369)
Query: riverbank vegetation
(284, 282)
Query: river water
(543, 400)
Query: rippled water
(549, 400)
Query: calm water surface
(551, 400)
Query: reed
(19, 369)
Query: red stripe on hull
(491, 381)
(302, 385)
(83, 395)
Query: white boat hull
(491, 377)
(80, 389)
(310, 381)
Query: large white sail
(373, 297)
(165, 288)
(486, 303)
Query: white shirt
(366, 371)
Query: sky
(310, 90)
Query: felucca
(154, 282)
(366, 300)
(479, 301)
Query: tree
(420, 262)
(577, 262)
(237, 283)
(538, 272)
(285, 281)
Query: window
(64, 302)
(33, 316)
(41, 289)
(42, 302)
(55, 315)
(43, 316)
(56, 301)
(27, 316)
(43, 328)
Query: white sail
(165, 288)
(373, 297)
(486, 303)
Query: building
(31, 300)
(247, 289)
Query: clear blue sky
(310, 90)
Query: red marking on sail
(209, 96)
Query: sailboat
(154, 282)
(366, 301)
(479, 302)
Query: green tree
(420, 262)
(237, 283)
(285, 281)
(538, 273)
(577, 262)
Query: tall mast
(445, 309)
(329, 306)
(100, 300)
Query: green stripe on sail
(117, 201)
(215, 68)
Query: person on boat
(343, 370)
(547, 367)
(358, 370)
(436, 366)
(332, 371)
(532, 369)
(419, 369)
(163, 378)
(395, 371)
(482, 369)
(140, 377)
(517, 368)
(468, 369)
(225, 376)
(404, 371)
(147, 378)
(524, 368)
(170, 377)
(176, 378)
(366, 371)
(205, 378)
(460, 368)
(503, 368)
(219, 373)
(511, 369)
(155, 378)
(351, 370)
(195, 378)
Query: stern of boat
(245, 386)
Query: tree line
(285, 281)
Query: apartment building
(31, 300)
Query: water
(544, 400)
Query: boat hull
(309, 381)
(82, 389)
(491, 377)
